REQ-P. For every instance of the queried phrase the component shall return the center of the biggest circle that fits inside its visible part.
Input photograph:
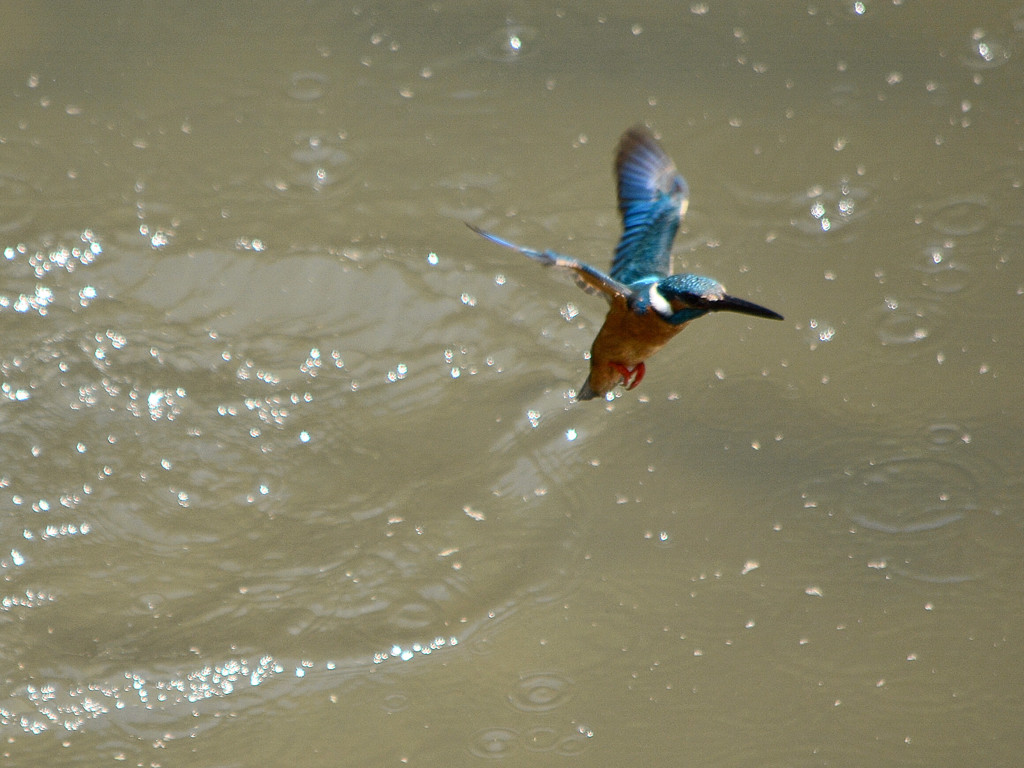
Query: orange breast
(628, 339)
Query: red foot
(640, 370)
(637, 371)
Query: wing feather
(589, 279)
(652, 199)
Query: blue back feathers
(652, 199)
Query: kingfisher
(649, 304)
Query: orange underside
(622, 345)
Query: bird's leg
(640, 370)
(624, 372)
(628, 373)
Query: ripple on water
(307, 86)
(910, 510)
(941, 273)
(21, 201)
(493, 742)
(910, 495)
(498, 742)
(960, 215)
(395, 702)
(541, 692)
(312, 165)
(943, 434)
(845, 95)
(573, 744)
(904, 321)
(543, 738)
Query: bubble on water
(829, 208)
(510, 43)
(984, 51)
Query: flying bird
(649, 304)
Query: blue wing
(589, 279)
(652, 199)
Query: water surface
(290, 469)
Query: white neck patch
(659, 302)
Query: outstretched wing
(652, 199)
(589, 279)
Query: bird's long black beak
(732, 304)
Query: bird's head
(681, 298)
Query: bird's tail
(586, 392)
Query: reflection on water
(355, 534)
(288, 457)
